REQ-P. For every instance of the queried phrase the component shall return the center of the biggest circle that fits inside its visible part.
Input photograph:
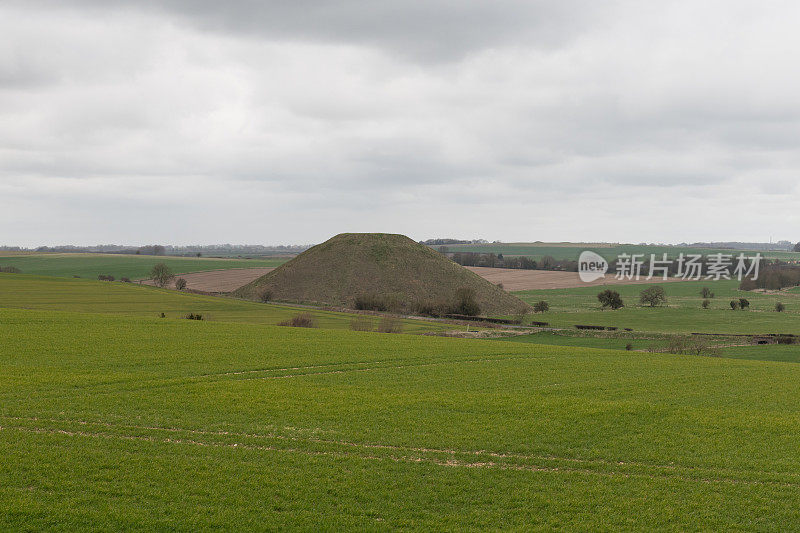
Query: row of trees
(655, 295)
(704, 266)
(463, 302)
(520, 262)
(773, 276)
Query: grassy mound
(384, 270)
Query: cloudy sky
(201, 121)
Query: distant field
(117, 265)
(604, 340)
(517, 279)
(128, 423)
(571, 251)
(87, 296)
(682, 314)
(723, 347)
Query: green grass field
(681, 314)
(123, 422)
(654, 328)
(117, 265)
(728, 347)
(571, 251)
(604, 340)
(88, 296)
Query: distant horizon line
(111, 247)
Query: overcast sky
(203, 121)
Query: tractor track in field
(403, 454)
(360, 366)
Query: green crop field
(89, 296)
(119, 266)
(571, 251)
(114, 418)
(124, 422)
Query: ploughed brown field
(514, 279)
(218, 280)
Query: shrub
(163, 315)
(180, 284)
(743, 303)
(161, 275)
(786, 339)
(706, 304)
(194, 316)
(654, 296)
(361, 323)
(105, 277)
(500, 285)
(521, 315)
(389, 324)
(265, 295)
(609, 298)
(125, 280)
(434, 309)
(734, 305)
(629, 347)
(427, 309)
(691, 346)
(541, 307)
(371, 302)
(10, 270)
(747, 284)
(302, 320)
(465, 302)
(706, 293)
(779, 307)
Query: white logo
(591, 266)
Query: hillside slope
(388, 266)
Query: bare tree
(654, 296)
(161, 275)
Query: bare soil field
(227, 280)
(514, 279)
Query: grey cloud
(397, 116)
(420, 30)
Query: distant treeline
(733, 245)
(774, 276)
(522, 262)
(704, 266)
(439, 242)
(157, 249)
